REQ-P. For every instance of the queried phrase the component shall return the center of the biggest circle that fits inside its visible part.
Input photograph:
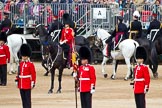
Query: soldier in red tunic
(141, 78)
(87, 78)
(67, 41)
(26, 76)
(4, 59)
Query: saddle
(117, 40)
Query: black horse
(158, 46)
(53, 54)
(151, 54)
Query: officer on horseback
(154, 24)
(120, 33)
(135, 27)
(6, 23)
(67, 39)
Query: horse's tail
(23, 40)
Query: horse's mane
(102, 33)
(44, 31)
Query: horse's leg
(103, 64)
(60, 79)
(16, 62)
(114, 69)
(127, 61)
(45, 67)
(52, 81)
(11, 62)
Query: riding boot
(109, 51)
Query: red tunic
(87, 77)
(142, 78)
(67, 34)
(27, 75)
(4, 54)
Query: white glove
(16, 83)
(146, 90)
(32, 84)
(92, 91)
(61, 42)
(74, 74)
(65, 40)
(92, 88)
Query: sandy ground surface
(109, 93)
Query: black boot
(109, 51)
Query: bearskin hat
(85, 53)
(67, 19)
(3, 37)
(141, 53)
(25, 50)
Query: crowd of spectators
(37, 10)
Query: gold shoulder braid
(117, 28)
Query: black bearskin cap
(3, 37)
(85, 53)
(25, 50)
(141, 53)
(67, 19)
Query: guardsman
(120, 33)
(87, 78)
(6, 23)
(4, 59)
(67, 41)
(135, 27)
(154, 24)
(141, 78)
(26, 76)
(55, 25)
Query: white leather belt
(84, 78)
(140, 79)
(2, 55)
(26, 76)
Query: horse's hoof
(105, 75)
(50, 92)
(10, 73)
(58, 91)
(112, 77)
(46, 74)
(125, 79)
(13, 72)
(155, 75)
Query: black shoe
(0, 84)
(3, 85)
